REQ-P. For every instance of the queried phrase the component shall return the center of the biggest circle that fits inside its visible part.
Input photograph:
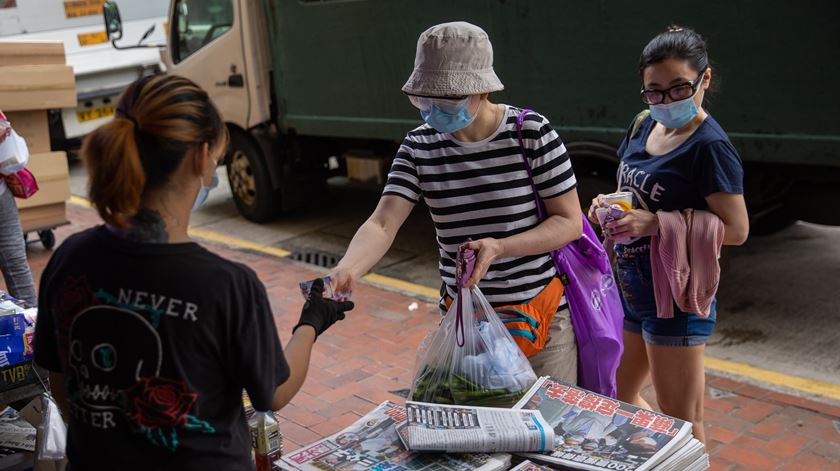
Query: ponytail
(116, 174)
(159, 120)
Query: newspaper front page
(15, 432)
(463, 429)
(594, 432)
(373, 443)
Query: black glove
(321, 313)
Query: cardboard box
(31, 53)
(43, 217)
(33, 127)
(53, 176)
(365, 169)
(37, 87)
(13, 376)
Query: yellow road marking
(811, 386)
(237, 242)
(79, 201)
(401, 285)
(819, 388)
(211, 235)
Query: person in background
(465, 163)
(678, 158)
(13, 262)
(149, 338)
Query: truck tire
(595, 165)
(771, 221)
(248, 175)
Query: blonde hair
(159, 120)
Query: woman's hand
(5, 130)
(487, 251)
(343, 281)
(597, 202)
(635, 223)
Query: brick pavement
(361, 359)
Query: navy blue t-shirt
(704, 164)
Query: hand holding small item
(634, 223)
(597, 202)
(5, 129)
(487, 251)
(321, 313)
(343, 281)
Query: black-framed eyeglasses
(677, 92)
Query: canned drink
(616, 206)
(624, 199)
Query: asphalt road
(778, 306)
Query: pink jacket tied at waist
(684, 261)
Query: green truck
(305, 83)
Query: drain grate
(314, 257)
(401, 392)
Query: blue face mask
(676, 114)
(204, 191)
(449, 121)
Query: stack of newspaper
(555, 426)
(594, 432)
(373, 442)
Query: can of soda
(616, 205)
(624, 199)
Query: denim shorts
(634, 276)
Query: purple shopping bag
(594, 303)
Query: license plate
(79, 8)
(95, 113)
(90, 39)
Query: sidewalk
(360, 361)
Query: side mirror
(183, 11)
(113, 21)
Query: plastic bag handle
(464, 267)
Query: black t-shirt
(157, 342)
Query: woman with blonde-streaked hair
(150, 338)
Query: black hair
(159, 119)
(676, 42)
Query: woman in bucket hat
(465, 163)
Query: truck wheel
(249, 180)
(771, 221)
(595, 166)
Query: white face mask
(204, 191)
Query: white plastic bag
(52, 432)
(14, 154)
(471, 359)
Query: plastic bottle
(265, 440)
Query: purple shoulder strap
(541, 212)
(520, 120)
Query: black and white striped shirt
(481, 189)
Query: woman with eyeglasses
(465, 164)
(676, 158)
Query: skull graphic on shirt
(110, 350)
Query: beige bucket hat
(453, 59)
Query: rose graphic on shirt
(159, 407)
(159, 402)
